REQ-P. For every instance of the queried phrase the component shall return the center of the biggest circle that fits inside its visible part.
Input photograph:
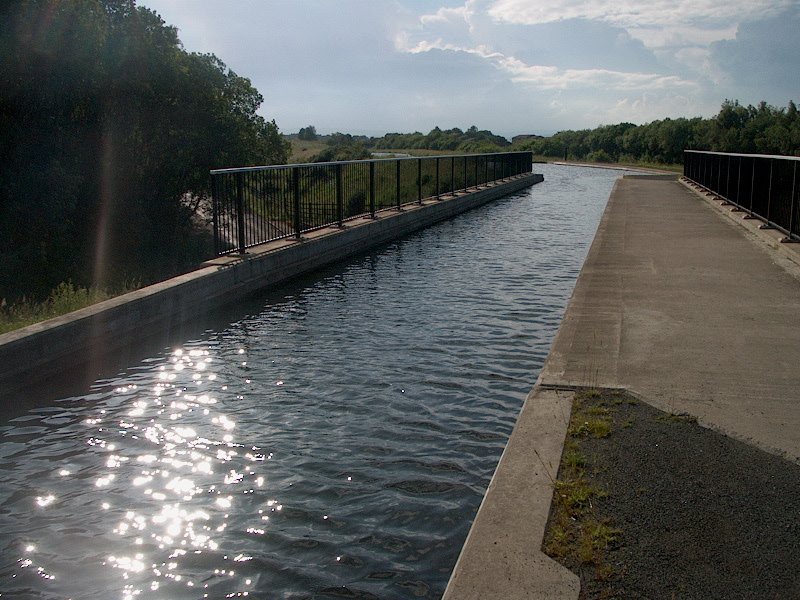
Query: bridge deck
(684, 306)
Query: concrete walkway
(683, 303)
(691, 311)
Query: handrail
(344, 162)
(765, 186)
(782, 157)
(254, 205)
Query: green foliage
(343, 146)
(308, 134)
(64, 298)
(108, 129)
(471, 140)
(761, 129)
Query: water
(334, 440)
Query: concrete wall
(82, 341)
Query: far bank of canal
(332, 438)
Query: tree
(762, 129)
(307, 133)
(108, 129)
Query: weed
(598, 428)
(576, 495)
(677, 418)
(598, 410)
(575, 534)
(64, 298)
(601, 534)
(588, 394)
(574, 460)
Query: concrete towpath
(685, 304)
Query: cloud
(761, 62)
(508, 65)
(542, 76)
(656, 22)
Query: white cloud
(549, 77)
(446, 15)
(656, 22)
(369, 67)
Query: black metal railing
(766, 187)
(254, 205)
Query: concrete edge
(79, 342)
(785, 255)
(553, 368)
(502, 555)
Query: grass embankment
(673, 168)
(64, 299)
(304, 150)
(649, 504)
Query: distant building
(525, 137)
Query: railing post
(453, 175)
(476, 172)
(769, 195)
(792, 204)
(739, 183)
(339, 196)
(465, 173)
(240, 212)
(372, 190)
(437, 178)
(397, 181)
(296, 198)
(419, 180)
(215, 211)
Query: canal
(330, 439)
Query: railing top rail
(779, 156)
(350, 162)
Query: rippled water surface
(332, 441)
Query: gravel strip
(701, 515)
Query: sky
(510, 66)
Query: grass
(575, 533)
(63, 299)
(304, 150)
(677, 418)
(579, 534)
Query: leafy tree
(343, 146)
(472, 140)
(108, 129)
(762, 129)
(307, 133)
